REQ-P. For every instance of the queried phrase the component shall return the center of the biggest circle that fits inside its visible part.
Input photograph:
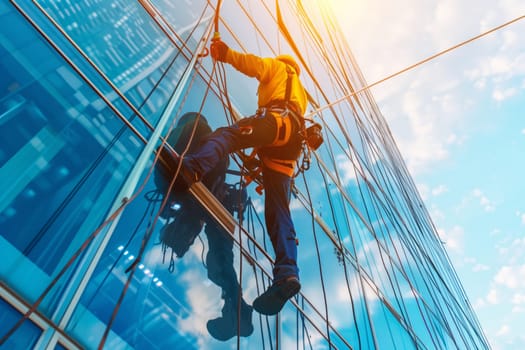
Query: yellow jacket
(271, 74)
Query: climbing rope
(370, 189)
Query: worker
(186, 222)
(276, 132)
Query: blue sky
(459, 122)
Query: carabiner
(204, 53)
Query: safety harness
(285, 114)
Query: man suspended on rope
(186, 222)
(275, 131)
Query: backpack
(178, 139)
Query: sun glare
(346, 11)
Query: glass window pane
(64, 159)
(25, 336)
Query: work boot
(226, 326)
(273, 300)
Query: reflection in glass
(25, 337)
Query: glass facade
(88, 89)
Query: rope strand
(417, 64)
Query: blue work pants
(257, 131)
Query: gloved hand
(218, 50)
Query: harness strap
(282, 166)
(298, 117)
(284, 106)
(288, 91)
(284, 129)
(284, 114)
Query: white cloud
(258, 205)
(510, 40)
(486, 203)
(469, 260)
(503, 331)
(479, 303)
(428, 107)
(491, 67)
(453, 239)
(476, 266)
(154, 257)
(518, 299)
(346, 168)
(503, 251)
(439, 190)
(495, 232)
(480, 267)
(421, 139)
(295, 204)
(518, 309)
(518, 242)
(454, 139)
(493, 297)
(431, 109)
(500, 95)
(204, 303)
(523, 218)
(511, 250)
(512, 277)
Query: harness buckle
(261, 111)
(246, 130)
(285, 112)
